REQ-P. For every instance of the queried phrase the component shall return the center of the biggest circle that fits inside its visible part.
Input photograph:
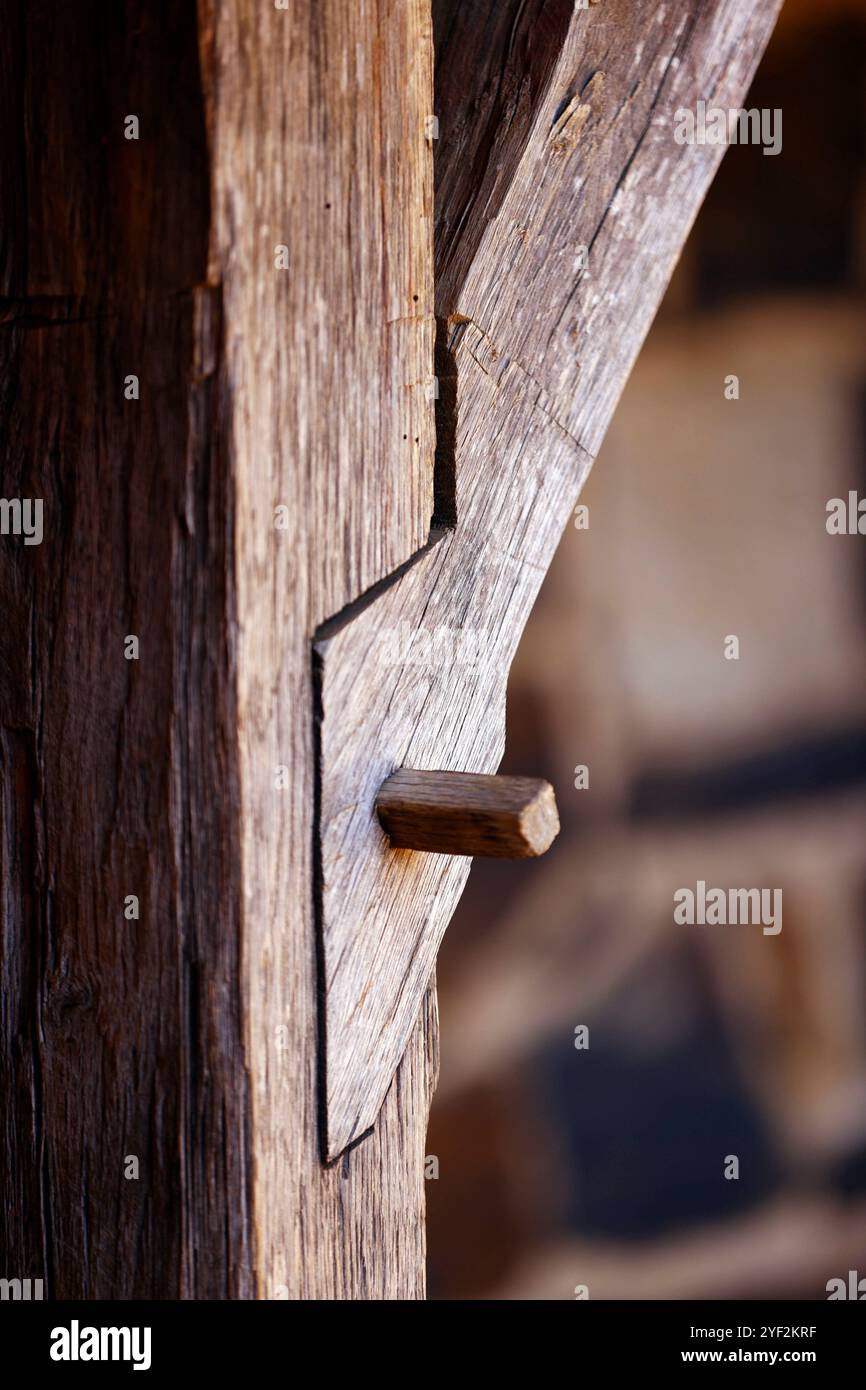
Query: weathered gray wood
(576, 162)
(319, 138)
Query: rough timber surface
(564, 142)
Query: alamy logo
(21, 1290)
(21, 517)
(714, 907)
(75, 1343)
(854, 1289)
(846, 518)
(713, 125)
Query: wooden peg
(468, 813)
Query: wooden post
(217, 344)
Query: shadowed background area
(605, 1165)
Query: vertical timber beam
(125, 1101)
(321, 163)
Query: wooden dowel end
(468, 813)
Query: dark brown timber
(468, 813)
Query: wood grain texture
(318, 139)
(468, 813)
(189, 1038)
(535, 353)
(120, 1037)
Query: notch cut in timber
(469, 813)
(521, 417)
